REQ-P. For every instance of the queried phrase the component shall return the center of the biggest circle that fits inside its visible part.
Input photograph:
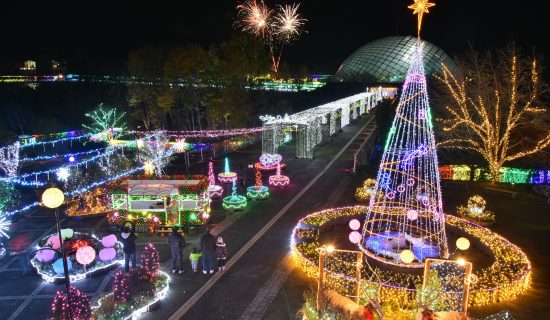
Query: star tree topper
(420, 7)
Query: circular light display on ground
(227, 177)
(279, 181)
(234, 203)
(257, 192)
(215, 191)
(504, 279)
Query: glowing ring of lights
(227, 177)
(215, 191)
(390, 195)
(263, 167)
(410, 182)
(257, 192)
(400, 188)
(490, 286)
(234, 203)
(78, 272)
(279, 181)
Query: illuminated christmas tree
(79, 305)
(150, 262)
(121, 292)
(408, 214)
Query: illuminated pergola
(309, 123)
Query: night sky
(100, 34)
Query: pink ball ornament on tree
(412, 214)
(354, 224)
(355, 237)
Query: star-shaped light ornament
(420, 7)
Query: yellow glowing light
(461, 261)
(53, 198)
(149, 168)
(420, 7)
(462, 243)
(407, 256)
(330, 248)
(139, 143)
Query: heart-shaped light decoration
(270, 159)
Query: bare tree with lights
(492, 107)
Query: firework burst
(275, 28)
(288, 23)
(254, 18)
(4, 227)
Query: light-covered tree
(493, 108)
(103, 119)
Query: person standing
(176, 242)
(194, 258)
(221, 253)
(128, 239)
(173, 212)
(208, 248)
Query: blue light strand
(66, 155)
(60, 140)
(77, 164)
(80, 190)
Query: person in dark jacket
(221, 253)
(128, 239)
(176, 242)
(208, 248)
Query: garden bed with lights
(145, 297)
(138, 291)
(503, 271)
(86, 255)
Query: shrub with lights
(363, 194)
(135, 292)
(258, 191)
(94, 202)
(86, 255)
(475, 211)
(78, 308)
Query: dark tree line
(200, 88)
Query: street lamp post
(53, 198)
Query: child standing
(194, 258)
(221, 253)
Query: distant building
(386, 60)
(29, 65)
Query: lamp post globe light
(53, 198)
